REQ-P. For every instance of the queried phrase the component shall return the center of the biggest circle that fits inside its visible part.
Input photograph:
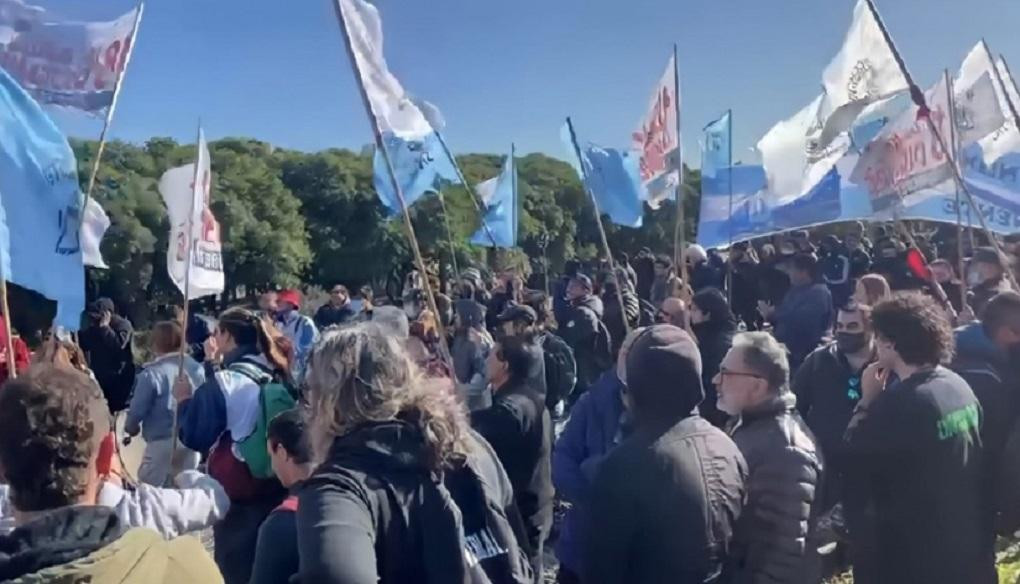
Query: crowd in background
(778, 412)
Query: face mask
(850, 343)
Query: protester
(470, 347)
(986, 277)
(519, 428)
(914, 455)
(665, 281)
(663, 504)
(337, 311)
(297, 327)
(673, 311)
(713, 325)
(268, 304)
(644, 270)
(152, 406)
(404, 491)
(583, 331)
(701, 273)
(196, 330)
(106, 341)
(55, 446)
(222, 415)
(507, 293)
(870, 290)
(828, 387)
(560, 365)
(860, 258)
(363, 303)
(561, 302)
(596, 425)
(623, 265)
(618, 320)
(772, 541)
(835, 267)
(773, 282)
(276, 553)
(744, 285)
(805, 316)
(521, 321)
(945, 277)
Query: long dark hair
(712, 302)
(248, 329)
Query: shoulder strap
(251, 371)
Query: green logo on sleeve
(958, 422)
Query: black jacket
(111, 358)
(613, 316)
(915, 455)
(579, 331)
(744, 282)
(663, 506)
(366, 514)
(827, 391)
(328, 315)
(772, 542)
(519, 428)
(714, 339)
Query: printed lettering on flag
(71, 64)
(657, 140)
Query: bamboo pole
(955, 161)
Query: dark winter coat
(772, 540)
(803, 319)
(110, 354)
(579, 332)
(328, 315)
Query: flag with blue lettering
(40, 205)
(501, 209)
(715, 150)
(418, 158)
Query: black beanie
(664, 372)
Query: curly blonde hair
(359, 374)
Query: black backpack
(560, 369)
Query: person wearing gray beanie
(664, 502)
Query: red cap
(292, 297)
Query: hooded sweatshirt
(90, 544)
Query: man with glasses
(337, 311)
(771, 540)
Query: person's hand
(766, 308)
(182, 389)
(212, 349)
(873, 381)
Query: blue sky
(507, 70)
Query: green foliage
(291, 218)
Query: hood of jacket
(391, 446)
(57, 538)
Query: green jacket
(88, 545)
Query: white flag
(657, 140)
(864, 72)
(93, 226)
(194, 230)
(978, 113)
(1010, 83)
(391, 105)
(486, 189)
(1006, 138)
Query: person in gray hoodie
(152, 407)
(471, 346)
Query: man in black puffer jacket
(581, 331)
(773, 540)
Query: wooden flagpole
(602, 229)
(196, 184)
(449, 233)
(412, 239)
(679, 232)
(470, 189)
(118, 83)
(917, 95)
(955, 161)
(12, 366)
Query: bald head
(673, 311)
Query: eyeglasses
(728, 373)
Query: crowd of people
(781, 412)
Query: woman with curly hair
(915, 456)
(404, 489)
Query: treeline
(292, 218)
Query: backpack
(560, 369)
(274, 397)
(646, 313)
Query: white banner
(93, 227)
(1006, 138)
(187, 205)
(657, 140)
(72, 64)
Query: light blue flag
(715, 150)
(420, 166)
(612, 176)
(40, 205)
(501, 209)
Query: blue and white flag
(40, 205)
(499, 194)
(418, 158)
(715, 150)
(612, 177)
